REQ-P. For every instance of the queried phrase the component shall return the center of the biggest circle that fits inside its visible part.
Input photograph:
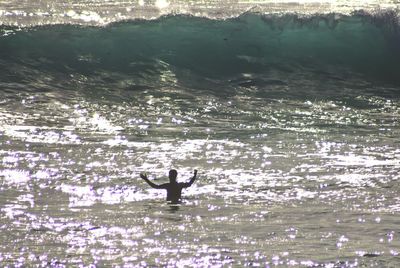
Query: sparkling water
(292, 121)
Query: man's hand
(143, 175)
(195, 172)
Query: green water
(293, 127)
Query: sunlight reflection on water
(290, 183)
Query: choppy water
(293, 124)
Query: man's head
(172, 175)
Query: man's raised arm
(188, 184)
(144, 177)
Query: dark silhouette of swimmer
(174, 188)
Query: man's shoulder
(183, 184)
(165, 185)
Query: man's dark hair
(173, 174)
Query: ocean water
(290, 112)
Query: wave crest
(332, 44)
(98, 13)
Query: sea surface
(290, 112)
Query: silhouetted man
(174, 189)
